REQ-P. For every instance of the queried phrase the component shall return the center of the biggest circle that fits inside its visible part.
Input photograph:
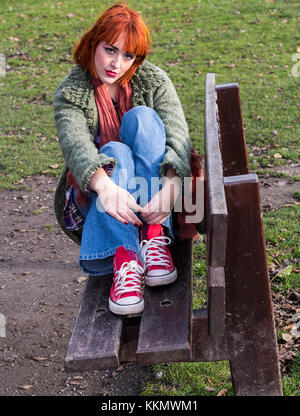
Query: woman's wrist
(98, 180)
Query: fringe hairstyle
(110, 25)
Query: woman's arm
(76, 141)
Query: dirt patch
(40, 296)
(277, 192)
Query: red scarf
(108, 119)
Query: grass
(252, 43)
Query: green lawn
(249, 42)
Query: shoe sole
(161, 280)
(126, 309)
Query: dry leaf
(287, 337)
(54, 166)
(26, 387)
(222, 392)
(81, 279)
(39, 358)
(277, 156)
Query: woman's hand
(159, 207)
(115, 200)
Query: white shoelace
(158, 255)
(122, 278)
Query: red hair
(110, 25)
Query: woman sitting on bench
(120, 124)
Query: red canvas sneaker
(126, 295)
(156, 256)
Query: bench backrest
(215, 213)
(225, 155)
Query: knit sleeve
(178, 147)
(76, 141)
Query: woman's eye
(109, 50)
(129, 56)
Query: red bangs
(115, 21)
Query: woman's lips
(111, 73)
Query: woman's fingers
(120, 204)
(117, 216)
(133, 205)
(132, 218)
(129, 216)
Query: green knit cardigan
(77, 123)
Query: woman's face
(111, 61)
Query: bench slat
(216, 300)
(231, 129)
(165, 329)
(215, 204)
(96, 337)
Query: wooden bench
(238, 323)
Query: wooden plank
(250, 330)
(231, 129)
(165, 329)
(215, 206)
(204, 346)
(95, 341)
(216, 300)
(130, 339)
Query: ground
(41, 289)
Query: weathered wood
(231, 130)
(215, 213)
(165, 329)
(250, 330)
(204, 346)
(215, 209)
(130, 337)
(216, 300)
(96, 337)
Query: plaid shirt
(73, 219)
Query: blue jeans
(139, 154)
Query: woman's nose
(116, 61)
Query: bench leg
(250, 332)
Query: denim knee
(116, 150)
(141, 111)
(142, 122)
